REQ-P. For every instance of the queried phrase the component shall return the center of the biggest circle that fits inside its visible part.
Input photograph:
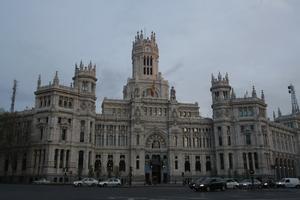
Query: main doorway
(156, 169)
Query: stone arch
(156, 141)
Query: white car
(86, 182)
(232, 184)
(289, 183)
(41, 181)
(110, 182)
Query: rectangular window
(208, 163)
(250, 161)
(80, 160)
(228, 140)
(245, 161)
(248, 139)
(81, 136)
(176, 164)
(41, 133)
(137, 164)
(221, 155)
(230, 160)
(61, 163)
(220, 141)
(24, 161)
(198, 164)
(137, 139)
(55, 158)
(256, 160)
(64, 134)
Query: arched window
(151, 61)
(144, 61)
(147, 60)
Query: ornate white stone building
(148, 136)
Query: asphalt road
(56, 192)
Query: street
(60, 192)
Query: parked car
(110, 182)
(289, 183)
(269, 183)
(211, 183)
(231, 183)
(193, 183)
(247, 183)
(86, 182)
(41, 181)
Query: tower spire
(295, 106)
(279, 112)
(13, 97)
(233, 96)
(254, 95)
(39, 82)
(262, 95)
(56, 80)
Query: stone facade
(148, 136)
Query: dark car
(269, 184)
(193, 183)
(210, 184)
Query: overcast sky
(256, 41)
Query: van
(289, 183)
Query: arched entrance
(156, 162)
(156, 169)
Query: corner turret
(220, 88)
(85, 78)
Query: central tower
(145, 57)
(146, 79)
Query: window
(198, 164)
(137, 164)
(248, 139)
(220, 141)
(221, 155)
(230, 160)
(256, 160)
(110, 163)
(137, 139)
(24, 161)
(245, 160)
(41, 133)
(64, 134)
(176, 162)
(81, 136)
(55, 158)
(61, 162)
(187, 166)
(250, 161)
(122, 166)
(208, 163)
(228, 140)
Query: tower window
(144, 60)
(151, 61)
(145, 70)
(150, 70)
